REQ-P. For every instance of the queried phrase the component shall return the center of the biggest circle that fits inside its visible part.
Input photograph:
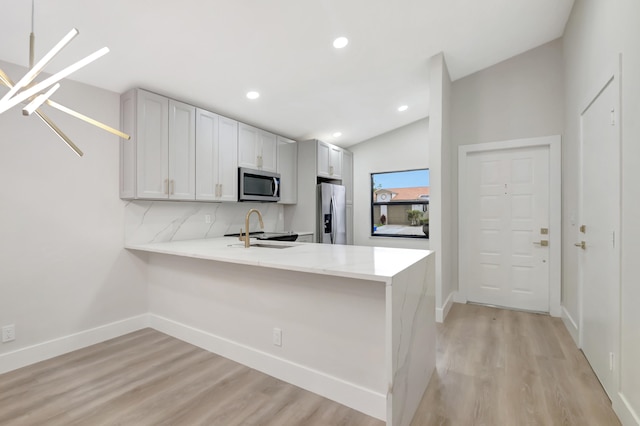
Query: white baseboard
(62, 345)
(626, 413)
(441, 313)
(459, 298)
(571, 326)
(354, 396)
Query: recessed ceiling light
(337, 134)
(253, 95)
(403, 108)
(340, 42)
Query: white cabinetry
(329, 160)
(182, 151)
(159, 160)
(257, 149)
(288, 169)
(216, 157)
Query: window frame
(394, 203)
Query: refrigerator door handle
(334, 217)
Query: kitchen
(63, 258)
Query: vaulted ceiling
(211, 53)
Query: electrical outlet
(8, 333)
(207, 218)
(277, 336)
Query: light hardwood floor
(502, 367)
(495, 367)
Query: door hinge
(613, 116)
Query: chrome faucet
(246, 226)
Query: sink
(277, 236)
(263, 245)
(273, 246)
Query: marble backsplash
(162, 221)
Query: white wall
(595, 35)
(441, 217)
(521, 97)
(401, 149)
(63, 269)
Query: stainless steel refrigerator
(332, 214)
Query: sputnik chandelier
(33, 95)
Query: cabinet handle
(220, 190)
(331, 170)
(166, 186)
(173, 186)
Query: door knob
(581, 244)
(543, 243)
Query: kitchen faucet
(246, 226)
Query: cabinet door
(182, 151)
(324, 159)
(206, 155)
(268, 151)
(335, 162)
(248, 144)
(288, 169)
(347, 174)
(227, 159)
(152, 146)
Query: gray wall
(597, 32)
(521, 97)
(401, 149)
(63, 266)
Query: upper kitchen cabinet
(257, 149)
(182, 151)
(159, 160)
(216, 157)
(329, 161)
(288, 169)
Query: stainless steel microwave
(258, 185)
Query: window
(400, 204)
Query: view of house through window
(400, 204)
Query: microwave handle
(275, 186)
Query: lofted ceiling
(211, 53)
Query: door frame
(555, 211)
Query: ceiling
(210, 53)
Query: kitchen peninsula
(353, 324)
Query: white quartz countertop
(370, 263)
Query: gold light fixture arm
(87, 119)
(26, 91)
(37, 68)
(8, 103)
(59, 132)
(4, 78)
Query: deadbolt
(583, 229)
(544, 231)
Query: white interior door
(600, 214)
(505, 236)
